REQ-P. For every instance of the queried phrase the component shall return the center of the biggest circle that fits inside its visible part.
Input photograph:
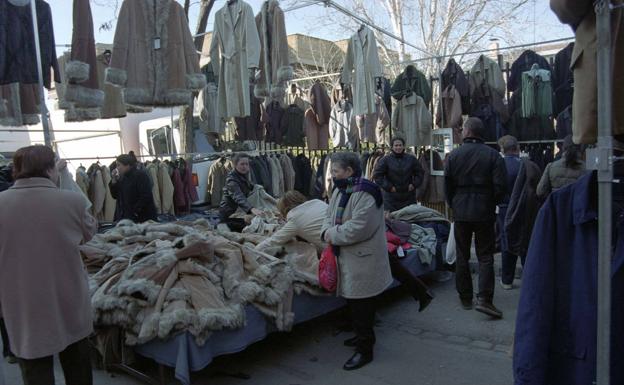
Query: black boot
(351, 342)
(425, 301)
(358, 360)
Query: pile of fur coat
(155, 280)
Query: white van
(161, 137)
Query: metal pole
(605, 185)
(42, 99)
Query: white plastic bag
(451, 253)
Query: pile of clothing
(155, 280)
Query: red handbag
(328, 270)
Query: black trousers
(235, 224)
(363, 318)
(75, 360)
(6, 346)
(416, 287)
(485, 246)
(509, 266)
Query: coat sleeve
(281, 237)
(535, 310)
(114, 189)
(328, 220)
(362, 224)
(418, 173)
(380, 174)
(449, 184)
(89, 225)
(215, 46)
(144, 191)
(373, 60)
(238, 196)
(117, 73)
(252, 40)
(195, 80)
(348, 65)
(499, 179)
(543, 187)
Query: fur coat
(154, 71)
(275, 69)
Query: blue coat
(555, 340)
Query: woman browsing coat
(355, 228)
(44, 291)
(304, 219)
(399, 175)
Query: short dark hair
(348, 159)
(475, 125)
(509, 144)
(238, 157)
(33, 162)
(397, 138)
(127, 159)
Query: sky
(543, 24)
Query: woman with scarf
(355, 228)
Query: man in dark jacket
(132, 188)
(399, 175)
(237, 188)
(475, 182)
(511, 152)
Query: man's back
(475, 179)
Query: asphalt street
(444, 345)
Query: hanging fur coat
(154, 71)
(362, 59)
(234, 51)
(275, 69)
(82, 79)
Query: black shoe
(358, 360)
(351, 342)
(466, 303)
(425, 301)
(489, 309)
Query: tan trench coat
(234, 51)
(364, 269)
(166, 76)
(44, 294)
(363, 59)
(584, 65)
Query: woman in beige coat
(44, 294)
(355, 227)
(304, 219)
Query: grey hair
(348, 159)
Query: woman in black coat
(399, 175)
(132, 188)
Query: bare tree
(440, 27)
(314, 57)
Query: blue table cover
(182, 352)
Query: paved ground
(445, 345)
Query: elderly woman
(355, 227)
(44, 293)
(304, 219)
